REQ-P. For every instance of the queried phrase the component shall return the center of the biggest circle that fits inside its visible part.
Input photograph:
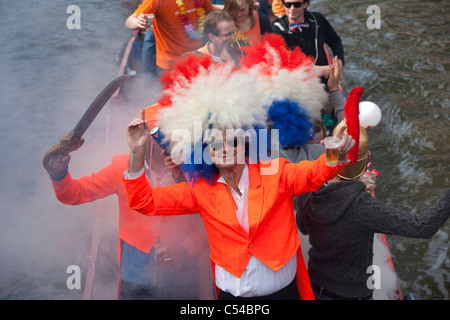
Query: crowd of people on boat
(243, 64)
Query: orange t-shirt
(253, 34)
(171, 39)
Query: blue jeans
(149, 53)
(141, 276)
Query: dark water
(403, 67)
(49, 74)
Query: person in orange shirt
(246, 204)
(159, 257)
(177, 25)
(249, 22)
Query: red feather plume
(185, 70)
(262, 53)
(182, 73)
(352, 120)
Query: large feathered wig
(274, 88)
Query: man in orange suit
(247, 211)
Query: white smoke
(389, 288)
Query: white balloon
(369, 114)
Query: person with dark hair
(219, 28)
(308, 31)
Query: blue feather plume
(293, 122)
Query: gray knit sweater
(341, 220)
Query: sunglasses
(295, 4)
(216, 145)
(229, 34)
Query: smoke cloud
(48, 79)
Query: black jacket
(311, 40)
(264, 23)
(341, 220)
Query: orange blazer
(272, 236)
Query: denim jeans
(149, 53)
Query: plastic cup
(369, 178)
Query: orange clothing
(272, 236)
(137, 230)
(278, 8)
(253, 34)
(171, 39)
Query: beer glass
(331, 148)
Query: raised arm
(308, 176)
(141, 21)
(138, 136)
(169, 200)
(380, 218)
(337, 98)
(100, 184)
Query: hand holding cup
(345, 144)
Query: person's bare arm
(139, 22)
(138, 135)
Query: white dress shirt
(257, 278)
